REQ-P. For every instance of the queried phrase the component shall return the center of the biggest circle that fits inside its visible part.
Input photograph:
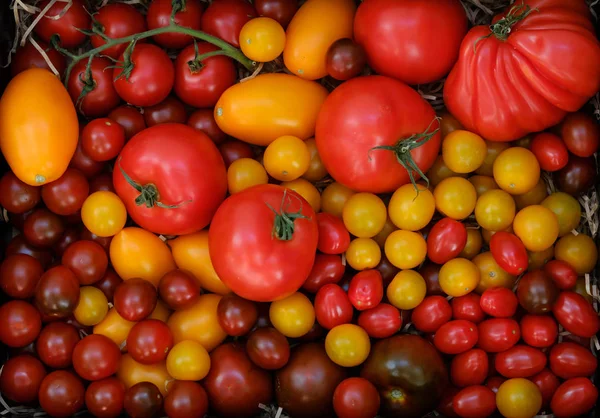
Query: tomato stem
(503, 27)
(283, 226)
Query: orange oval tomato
(131, 372)
(135, 252)
(114, 327)
(314, 27)
(334, 198)
(38, 127)
(579, 251)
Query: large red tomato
(400, 41)
(263, 241)
(373, 132)
(171, 178)
(537, 61)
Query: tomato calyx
(503, 27)
(89, 84)
(176, 7)
(283, 225)
(196, 64)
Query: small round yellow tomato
(567, 211)
(347, 345)
(364, 215)
(245, 173)
(411, 210)
(463, 151)
(363, 253)
(199, 323)
(495, 210)
(491, 274)
(160, 312)
(516, 170)
(92, 306)
(293, 316)
(114, 327)
(188, 360)
(455, 197)
(483, 184)
(307, 190)
(473, 245)
(533, 197)
(334, 198)
(262, 39)
(537, 227)
(131, 372)
(439, 171)
(493, 149)
(487, 235)
(388, 228)
(579, 251)
(286, 158)
(103, 213)
(406, 290)
(316, 169)
(518, 398)
(405, 249)
(538, 259)
(459, 277)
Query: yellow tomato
(135, 252)
(364, 215)
(406, 290)
(293, 316)
(493, 149)
(538, 259)
(439, 171)
(459, 277)
(191, 254)
(131, 372)
(567, 211)
(411, 210)
(188, 360)
(92, 306)
(114, 327)
(262, 39)
(537, 227)
(160, 312)
(463, 151)
(268, 106)
(491, 274)
(103, 213)
(198, 323)
(473, 245)
(286, 158)
(448, 123)
(347, 345)
(363, 253)
(388, 228)
(334, 198)
(518, 398)
(579, 251)
(455, 197)
(405, 249)
(316, 169)
(39, 128)
(533, 197)
(483, 184)
(495, 210)
(307, 190)
(245, 173)
(516, 170)
(313, 29)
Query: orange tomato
(473, 245)
(131, 372)
(579, 251)
(493, 149)
(483, 184)
(334, 198)
(440, 171)
(103, 213)
(307, 190)
(533, 197)
(316, 169)
(114, 327)
(160, 312)
(491, 274)
(38, 127)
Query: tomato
(539, 331)
(518, 398)
(114, 327)
(149, 341)
(236, 315)
(87, 260)
(280, 10)
(286, 158)
(55, 344)
(455, 337)
(448, 123)
(84, 164)
(61, 394)
(499, 302)
(179, 289)
(574, 397)
(561, 272)
(509, 252)
(333, 235)
(57, 292)
(92, 306)
(100, 95)
(333, 307)
(495, 210)
(520, 361)
(364, 215)
(533, 197)
(27, 56)
(439, 171)
(363, 253)
(385, 232)
(468, 307)
(537, 260)
(96, 357)
(474, 402)
(356, 397)
(411, 210)
(117, 21)
(578, 175)
(16, 196)
(204, 120)
(347, 345)
(550, 151)
(483, 184)
(102, 139)
(293, 316)
(498, 334)
(131, 373)
(446, 239)
(516, 170)
(463, 152)
(345, 59)
(567, 211)
(366, 289)
(186, 399)
(305, 189)
(405, 249)
(580, 134)
(21, 378)
(326, 269)
(268, 348)
(579, 251)
(104, 214)
(43, 228)
(104, 398)
(169, 110)
(262, 39)
(143, 400)
(64, 21)
(455, 197)
(576, 314)
(537, 227)
(334, 198)
(407, 290)
(537, 292)
(188, 360)
(491, 274)
(135, 299)
(129, 118)
(569, 360)
(65, 196)
(245, 173)
(18, 245)
(316, 170)
(473, 245)
(382, 321)
(431, 314)
(225, 19)
(188, 15)
(493, 149)
(469, 368)
(459, 276)
(547, 383)
(19, 275)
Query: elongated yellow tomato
(114, 327)
(135, 252)
(317, 25)
(38, 127)
(131, 372)
(269, 106)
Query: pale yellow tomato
(293, 316)
(286, 158)
(334, 198)
(579, 251)
(439, 171)
(103, 213)
(405, 249)
(533, 197)
(495, 210)
(307, 190)
(459, 277)
(364, 215)
(516, 170)
(483, 184)
(316, 169)
(411, 210)
(493, 149)
(347, 345)
(455, 197)
(363, 253)
(262, 39)
(92, 306)
(537, 227)
(473, 245)
(519, 398)
(244, 173)
(567, 211)
(406, 290)
(388, 228)
(491, 274)
(463, 151)
(188, 360)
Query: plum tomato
(334, 238)
(561, 272)
(382, 321)
(539, 331)
(547, 383)
(468, 307)
(455, 337)
(469, 368)
(498, 334)
(333, 307)
(446, 240)
(509, 252)
(574, 397)
(328, 268)
(366, 289)
(474, 402)
(499, 302)
(520, 361)
(569, 360)
(431, 314)
(550, 151)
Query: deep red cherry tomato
(334, 238)
(366, 289)
(28, 57)
(550, 151)
(84, 163)
(87, 259)
(332, 306)
(356, 397)
(509, 252)
(445, 407)
(57, 293)
(576, 314)
(149, 341)
(382, 321)
(108, 284)
(468, 307)
(102, 139)
(499, 302)
(577, 176)
(101, 96)
(547, 383)
(494, 383)
(143, 399)
(71, 235)
(225, 19)
(103, 241)
(104, 398)
(268, 348)
(539, 331)
(236, 315)
(204, 120)
(16, 196)
(21, 378)
(581, 134)
(234, 150)
(569, 360)
(179, 289)
(56, 343)
(280, 10)
(43, 228)
(66, 25)
(96, 357)
(520, 361)
(151, 79)
(169, 110)
(159, 15)
(561, 273)
(431, 314)
(469, 368)
(475, 402)
(129, 118)
(19, 275)
(456, 337)
(19, 245)
(446, 239)
(135, 299)
(498, 334)
(61, 393)
(574, 397)
(102, 182)
(20, 323)
(117, 20)
(186, 399)
(345, 59)
(66, 195)
(328, 268)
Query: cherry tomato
(363, 253)
(495, 210)
(279, 10)
(66, 22)
(293, 316)
(345, 59)
(569, 360)
(334, 238)
(307, 190)
(468, 307)
(92, 306)
(499, 302)
(18, 245)
(149, 341)
(159, 15)
(498, 334)
(446, 240)
(577, 176)
(287, 158)
(459, 277)
(537, 292)
(509, 252)
(550, 151)
(16, 196)
(19, 275)
(96, 357)
(474, 402)
(117, 21)
(28, 56)
(188, 360)
(87, 260)
(268, 348)
(108, 284)
(57, 293)
(61, 394)
(382, 321)
(574, 397)
(102, 139)
(520, 361)
(101, 95)
(129, 118)
(463, 152)
(455, 337)
(518, 398)
(405, 249)
(104, 214)
(236, 315)
(204, 120)
(262, 39)
(43, 228)
(225, 19)
(547, 383)
(21, 378)
(431, 314)
(104, 398)
(580, 134)
(469, 368)
(327, 268)
(562, 274)
(347, 345)
(186, 399)
(169, 110)
(135, 299)
(516, 170)
(245, 173)
(356, 397)
(539, 331)
(234, 150)
(455, 197)
(143, 400)
(332, 306)
(366, 289)
(334, 198)
(179, 289)
(407, 290)
(579, 251)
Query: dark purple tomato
(104, 398)
(581, 134)
(186, 400)
(203, 120)
(143, 400)
(108, 283)
(102, 182)
(71, 235)
(57, 293)
(388, 272)
(169, 110)
(129, 118)
(268, 348)
(135, 299)
(537, 292)
(61, 394)
(149, 341)
(96, 357)
(16, 196)
(19, 245)
(474, 402)
(20, 323)
(19, 275)
(56, 343)
(470, 368)
(43, 228)
(83, 162)
(21, 378)
(225, 19)
(520, 361)
(345, 59)
(356, 397)
(66, 195)
(234, 150)
(280, 10)
(577, 176)
(236, 315)
(87, 260)
(179, 289)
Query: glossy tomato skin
(104, 398)
(327, 268)
(561, 273)
(103, 98)
(186, 399)
(149, 341)
(366, 289)
(129, 118)
(87, 260)
(499, 302)
(268, 348)
(334, 238)
(445, 241)
(61, 394)
(382, 321)
(574, 397)
(234, 150)
(17, 196)
(455, 337)
(117, 21)
(498, 334)
(577, 176)
(469, 368)
(204, 120)
(66, 195)
(431, 314)
(509, 252)
(236, 315)
(348, 158)
(66, 26)
(333, 307)
(96, 357)
(581, 134)
(179, 289)
(345, 59)
(539, 331)
(84, 163)
(169, 110)
(468, 307)
(569, 360)
(547, 383)
(520, 361)
(153, 157)
(108, 283)
(356, 397)
(143, 399)
(43, 228)
(135, 299)
(28, 57)
(57, 293)
(56, 343)
(102, 139)
(474, 402)
(225, 19)
(19, 275)
(159, 15)
(550, 151)
(280, 10)
(537, 292)
(18, 245)
(21, 378)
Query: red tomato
(445, 241)
(499, 302)
(151, 79)
(494, 383)
(169, 110)
(509, 252)
(225, 19)
(569, 360)
(327, 268)
(102, 182)
(539, 331)
(66, 25)
(101, 96)
(474, 402)
(28, 57)
(431, 314)
(159, 15)
(469, 368)
(236, 315)
(520, 361)
(96, 357)
(356, 397)
(280, 10)
(576, 314)
(351, 127)
(135, 299)
(366, 289)
(175, 180)
(61, 393)
(574, 397)
(561, 273)
(581, 134)
(445, 407)
(255, 251)
(83, 163)
(20, 323)
(547, 383)
(334, 238)
(87, 260)
(19, 275)
(234, 150)
(498, 334)
(382, 321)
(411, 52)
(104, 398)
(204, 120)
(201, 83)
(55, 344)
(102, 139)
(117, 20)
(456, 337)
(149, 341)
(468, 307)
(332, 306)
(129, 118)
(550, 151)
(66, 195)
(21, 378)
